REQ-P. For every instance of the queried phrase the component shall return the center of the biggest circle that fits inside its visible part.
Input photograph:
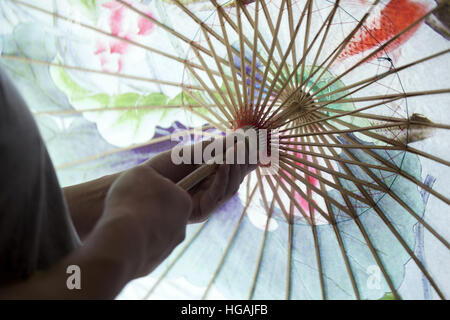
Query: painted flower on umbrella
(303, 205)
(125, 110)
(392, 19)
(124, 23)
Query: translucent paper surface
(110, 81)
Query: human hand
(150, 212)
(212, 192)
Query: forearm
(86, 202)
(105, 265)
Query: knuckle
(181, 236)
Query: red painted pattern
(393, 18)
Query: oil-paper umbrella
(355, 92)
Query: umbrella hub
(297, 104)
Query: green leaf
(88, 8)
(388, 296)
(33, 41)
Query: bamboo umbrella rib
(289, 262)
(405, 246)
(324, 195)
(333, 55)
(230, 59)
(335, 52)
(222, 125)
(388, 96)
(342, 145)
(86, 26)
(269, 211)
(308, 219)
(319, 260)
(285, 56)
(359, 114)
(330, 157)
(242, 54)
(291, 196)
(305, 41)
(371, 80)
(397, 169)
(377, 258)
(332, 172)
(174, 261)
(115, 151)
(260, 37)
(346, 260)
(305, 196)
(230, 242)
(290, 223)
(173, 32)
(222, 73)
(106, 73)
(391, 119)
(429, 124)
(291, 207)
(384, 74)
(301, 62)
(394, 142)
(254, 49)
(290, 246)
(392, 194)
(205, 28)
(388, 190)
(314, 227)
(385, 99)
(382, 47)
(270, 57)
(323, 180)
(291, 32)
(359, 129)
(271, 27)
(134, 43)
(266, 48)
(319, 50)
(233, 25)
(112, 109)
(427, 155)
(275, 37)
(293, 200)
(274, 189)
(340, 49)
(248, 187)
(335, 225)
(369, 243)
(396, 234)
(216, 86)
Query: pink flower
(301, 201)
(124, 23)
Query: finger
(219, 185)
(207, 200)
(163, 163)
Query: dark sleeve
(35, 226)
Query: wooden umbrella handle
(197, 176)
(201, 172)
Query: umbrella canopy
(356, 91)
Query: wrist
(118, 244)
